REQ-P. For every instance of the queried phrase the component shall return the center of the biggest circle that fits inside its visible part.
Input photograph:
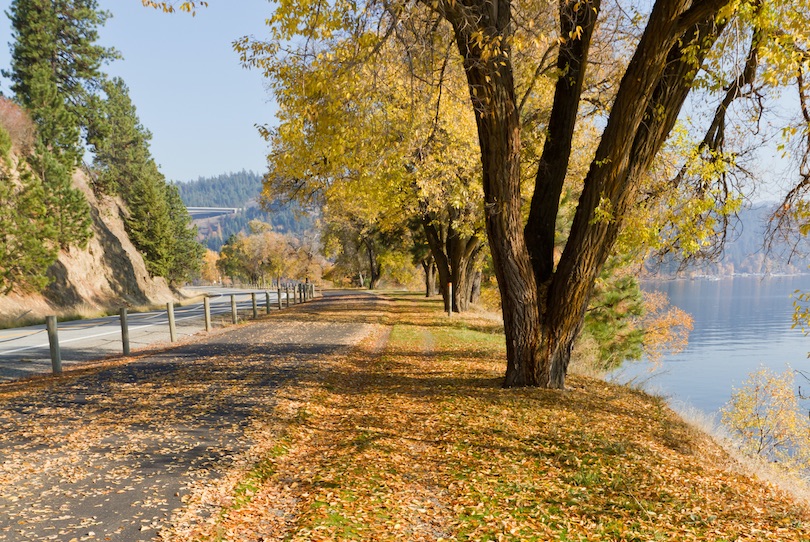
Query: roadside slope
(410, 437)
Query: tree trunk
(475, 291)
(491, 86)
(646, 107)
(456, 258)
(374, 267)
(429, 267)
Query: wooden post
(255, 310)
(234, 317)
(53, 341)
(124, 331)
(279, 297)
(267, 301)
(207, 311)
(449, 299)
(172, 328)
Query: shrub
(16, 121)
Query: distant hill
(226, 190)
(239, 190)
(745, 251)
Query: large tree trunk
(543, 307)
(646, 107)
(489, 78)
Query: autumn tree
(768, 421)
(383, 145)
(727, 53)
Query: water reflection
(740, 324)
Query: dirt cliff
(105, 275)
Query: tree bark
(648, 102)
(491, 86)
(374, 267)
(544, 306)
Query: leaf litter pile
(407, 436)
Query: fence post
(279, 297)
(53, 341)
(124, 331)
(207, 313)
(255, 310)
(449, 299)
(172, 328)
(234, 317)
(267, 301)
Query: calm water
(740, 324)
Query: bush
(766, 416)
(16, 121)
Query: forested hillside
(225, 190)
(240, 190)
(746, 251)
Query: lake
(740, 324)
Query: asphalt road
(25, 351)
(113, 453)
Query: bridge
(198, 213)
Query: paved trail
(108, 454)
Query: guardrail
(287, 295)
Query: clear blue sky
(186, 82)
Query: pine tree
(187, 253)
(149, 223)
(158, 223)
(55, 58)
(28, 243)
(55, 66)
(119, 142)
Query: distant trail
(108, 453)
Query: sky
(186, 82)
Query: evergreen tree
(158, 223)
(27, 236)
(55, 57)
(55, 66)
(119, 142)
(187, 253)
(149, 223)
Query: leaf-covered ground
(276, 430)
(115, 452)
(410, 437)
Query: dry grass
(410, 437)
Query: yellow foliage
(766, 416)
